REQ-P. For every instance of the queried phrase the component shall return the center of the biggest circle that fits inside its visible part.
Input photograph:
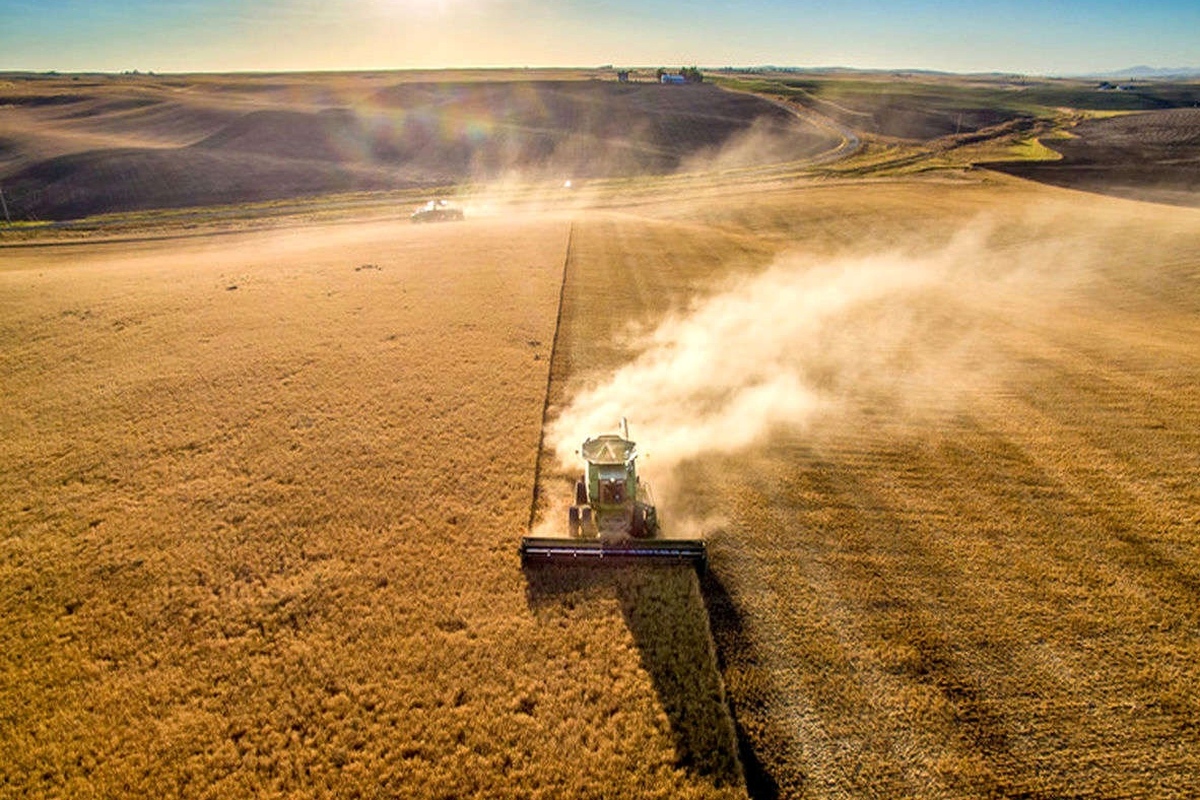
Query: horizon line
(1149, 72)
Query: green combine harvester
(613, 519)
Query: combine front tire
(643, 523)
(637, 523)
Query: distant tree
(691, 74)
(659, 73)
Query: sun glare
(419, 6)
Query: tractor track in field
(849, 141)
(541, 449)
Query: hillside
(1151, 155)
(71, 148)
(919, 107)
(264, 469)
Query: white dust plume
(803, 343)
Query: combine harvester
(613, 519)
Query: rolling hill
(122, 144)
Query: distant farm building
(672, 79)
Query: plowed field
(1152, 156)
(72, 148)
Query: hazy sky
(1030, 36)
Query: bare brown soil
(71, 148)
(922, 106)
(1152, 156)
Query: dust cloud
(765, 142)
(577, 170)
(815, 347)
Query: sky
(1046, 37)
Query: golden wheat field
(261, 498)
(262, 493)
(961, 561)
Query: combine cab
(613, 518)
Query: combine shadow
(664, 611)
(729, 636)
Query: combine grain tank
(613, 518)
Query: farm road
(849, 141)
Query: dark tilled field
(1152, 156)
(71, 149)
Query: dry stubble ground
(972, 581)
(261, 495)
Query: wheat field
(968, 567)
(261, 498)
(262, 491)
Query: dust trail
(806, 343)
(767, 141)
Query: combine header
(613, 518)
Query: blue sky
(1049, 37)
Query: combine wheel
(643, 522)
(573, 520)
(580, 493)
(637, 522)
